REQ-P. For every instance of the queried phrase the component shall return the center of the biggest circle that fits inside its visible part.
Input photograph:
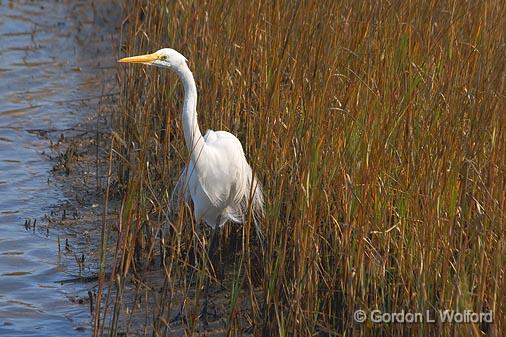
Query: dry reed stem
(377, 129)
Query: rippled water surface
(54, 58)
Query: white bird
(218, 179)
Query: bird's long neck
(192, 135)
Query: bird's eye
(163, 58)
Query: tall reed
(378, 131)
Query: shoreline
(355, 216)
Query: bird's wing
(237, 189)
(221, 173)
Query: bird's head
(164, 58)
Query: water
(54, 58)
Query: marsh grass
(377, 129)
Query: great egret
(218, 179)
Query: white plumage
(218, 179)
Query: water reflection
(52, 55)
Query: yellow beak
(146, 59)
